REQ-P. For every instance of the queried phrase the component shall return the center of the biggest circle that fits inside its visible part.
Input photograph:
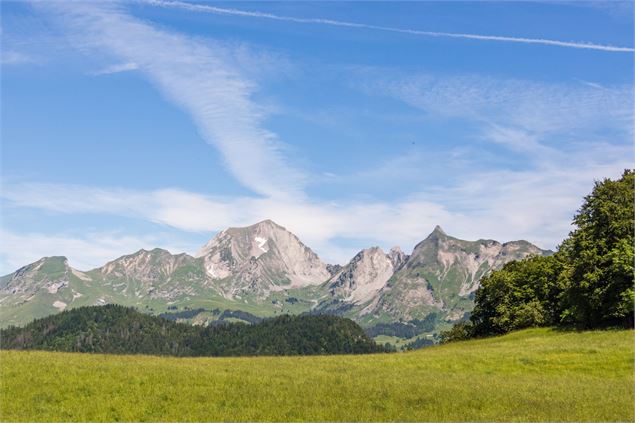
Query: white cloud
(620, 9)
(556, 127)
(84, 252)
(13, 57)
(318, 21)
(578, 128)
(202, 77)
(590, 84)
(118, 68)
(537, 107)
(503, 205)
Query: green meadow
(531, 375)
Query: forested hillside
(120, 330)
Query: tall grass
(532, 375)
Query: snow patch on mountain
(261, 243)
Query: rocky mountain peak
(441, 260)
(153, 252)
(427, 249)
(264, 226)
(438, 232)
(361, 279)
(397, 257)
(51, 273)
(268, 223)
(145, 265)
(48, 263)
(258, 234)
(261, 258)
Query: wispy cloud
(13, 57)
(555, 127)
(317, 223)
(204, 78)
(543, 124)
(118, 68)
(534, 106)
(499, 204)
(567, 125)
(84, 252)
(318, 21)
(621, 9)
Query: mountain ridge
(265, 270)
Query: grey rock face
(397, 257)
(259, 259)
(361, 279)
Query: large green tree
(522, 294)
(588, 283)
(601, 254)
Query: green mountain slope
(441, 274)
(42, 288)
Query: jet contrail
(236, 12)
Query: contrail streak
(236, 12)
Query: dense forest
(120, 330)
(588, 283)
(408, 329)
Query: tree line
(120, 330)
(588, 283)
(408, 329)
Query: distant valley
(263, 270)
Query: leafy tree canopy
(587, 283)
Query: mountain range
(264, 270)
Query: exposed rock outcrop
(261, 258)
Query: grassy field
(532, 375)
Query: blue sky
(130, 125)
